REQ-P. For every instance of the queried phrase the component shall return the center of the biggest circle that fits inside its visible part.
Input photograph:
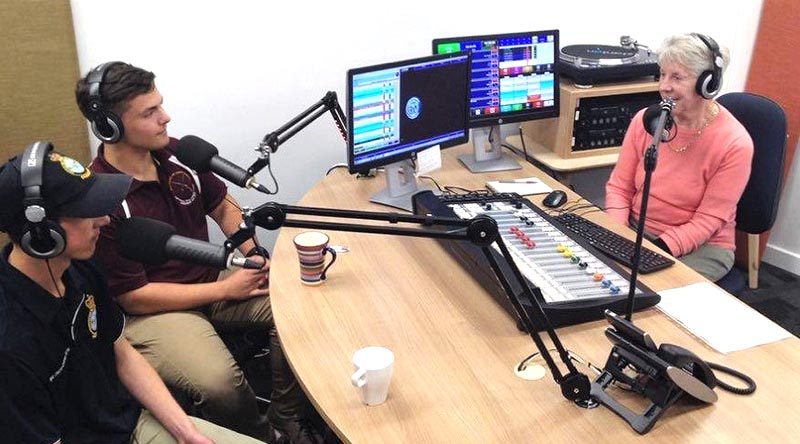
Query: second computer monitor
(397, 109)
(514, 79)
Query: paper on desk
(429, 159)
(525, 186)
(719, 319)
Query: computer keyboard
(612, 244)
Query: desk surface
(455, 347)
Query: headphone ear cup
(108, 127)
(707, 85)
(709, 82)
(685, 359)
(44, 240)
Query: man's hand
(244, 284)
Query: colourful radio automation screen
(400, 108)
(514, 76)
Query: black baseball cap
(68, 189)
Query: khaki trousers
(187, 353)
(150, 431)
(710, 261)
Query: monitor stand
(401, 184)
(488, 155)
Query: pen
(519, 181)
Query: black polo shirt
(181, 198)
(58, 376)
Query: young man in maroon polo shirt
(173, 309)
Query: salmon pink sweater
(693, 193)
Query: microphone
(153, 242)
(202, 157)
(654, 112)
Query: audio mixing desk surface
(577, 282)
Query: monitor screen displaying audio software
(514, 76)
(400, 108)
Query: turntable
(592, 64)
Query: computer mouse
(555, 199)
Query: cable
(547, 170)
(434, 182)
(274, 180)
(574, 357)
(524, 148)
(751, 384)
(370, 174)
(53, 278)
(338, 165)
(590, 211)
(467, 191)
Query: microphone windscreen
(195, 153)
(142, 239)
(650, 118)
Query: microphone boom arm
(271, 142)
(481, 231)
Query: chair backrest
(765, 121)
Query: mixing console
(576, 281)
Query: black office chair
(251, 351)
(765, 120)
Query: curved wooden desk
(455, 347)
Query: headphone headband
(30, 176)
(42, 238)
(714, 48)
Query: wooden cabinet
(559, 135)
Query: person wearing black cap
(66, 372)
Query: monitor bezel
(365, 167)
(519, 116)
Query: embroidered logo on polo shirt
(91, 318)
(182, 187)
(71, 165)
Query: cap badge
(71, 165)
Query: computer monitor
(514, 79)
(397, 109)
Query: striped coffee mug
(311, 249)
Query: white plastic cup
(373, 372)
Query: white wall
(783, 248)
(233, 71)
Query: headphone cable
(53, 278)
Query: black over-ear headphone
(710, 81)
(106, 125)
(41, 238)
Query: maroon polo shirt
(174, 199)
